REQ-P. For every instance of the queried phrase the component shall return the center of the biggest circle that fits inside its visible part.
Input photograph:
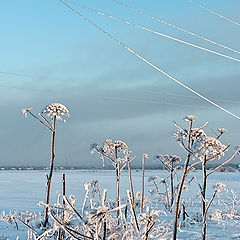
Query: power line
(148, 62)
(215, 13)
(155, 32)
(175, 26)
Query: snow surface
(22, 190)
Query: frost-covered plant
(184, 137)
(54, 111)
(205, 149)
(208, 147)
(117, 152)
(97, 222)
(198, 146)
(169, 162)
(144, 156)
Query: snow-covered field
(22, 190)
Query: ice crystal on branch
(56, 110)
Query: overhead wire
(175, 26)
(154, 31)
(215, 13)
(148, 62)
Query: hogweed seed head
(93, 147)
(56, 110)
(222, 130)
(87, 186)
(190, 118)
(208, 147)
(145, 155)
(219, 187)
(152, 178)
(25, 111)
(237, 150)
(110, 147)
(182, 134)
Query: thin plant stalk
(61, 234)
(104, 197)
(132, 193)
(172, 186)
(117, 167)
(176, 214)
(204, 186)
(49, 177)
(118, 190)
(143, 176)
(133, 210)
(130, 181)
(85, 199)
(63, 193)
(167, 197)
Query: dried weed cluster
(158, 215)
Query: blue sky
(58, 57)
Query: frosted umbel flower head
(209, 147)
(25, 111)
(222, 130)
(190, 118)
(57, 110)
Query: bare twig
(73, 209)
(49, 179)
(133, 210)
(143, 176)
(185, 172)
(222, 165)
(46, 125)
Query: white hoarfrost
(209, 147)
(57, 110)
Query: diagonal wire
(175, 26)
(215, 13)
(155, 32)
(148, 62)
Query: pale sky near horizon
(49, 54)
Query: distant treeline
(229, 168)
